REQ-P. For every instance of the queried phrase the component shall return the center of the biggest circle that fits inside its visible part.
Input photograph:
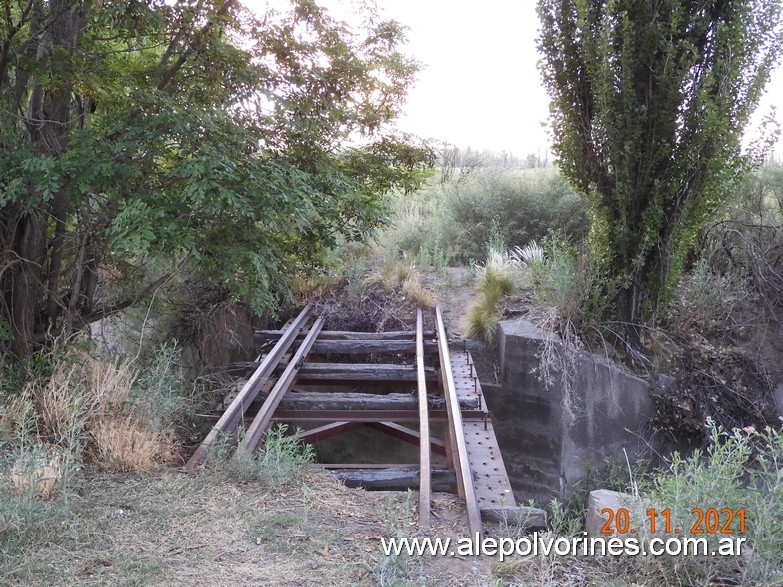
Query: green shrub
(742, 469)
(457, 222)
(275, 463)
(514, 206)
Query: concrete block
(602, 499)
(536, 424)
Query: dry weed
(60, 403)
(87, 405)
(126, 443)
(107, 382)
(38, 472)
(17, 416)
(417, 292)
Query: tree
(142, 136)
(649, 102)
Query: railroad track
(331, 398)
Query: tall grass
(496, 279)
(457, 222)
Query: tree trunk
(24, 280)
(31, 312)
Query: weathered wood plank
(368, 415)
(395, 479)
(366, 347)
(328, 400)
(267, 335)
(365, 372)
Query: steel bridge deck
(470, 444)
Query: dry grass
(87, 407)
(394, 276)
(39, 473)
(60, 402)
(413, 288)
(19, 412)
(127, 443)
(173, 529)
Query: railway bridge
(430, 397)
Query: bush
(457, 222)
(102, 408)
(741, 469)
(513, 207)
(276, 463)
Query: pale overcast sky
(480, 85)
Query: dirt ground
(178, 529)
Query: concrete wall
(550, 441)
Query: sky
(480, 86)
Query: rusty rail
(258, 428)
(234, 413)
(425, 489)
(465, 486)
(332, 397)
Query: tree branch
(193, 46)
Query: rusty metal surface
(425, 490)
(461, 458)
(490, 478)
(234, 413)
(258, 428)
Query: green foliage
(649, 102)
(181, 133)
(566, 519)
(457, 221)
(481, 319)
(740, 469)
(513, 207)
(159, 394)
(276, 463)
(25, 518)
